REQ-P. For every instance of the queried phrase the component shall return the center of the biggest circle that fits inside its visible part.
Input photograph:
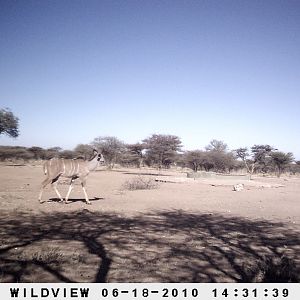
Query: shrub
(274, 269)
(140, 183)
(51, 256)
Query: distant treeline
(33, 153)
(164, 151)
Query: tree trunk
(279, 171)
(248, 169)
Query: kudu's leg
(69, 191)
(54, 185)
(83, 184)
(44, 184)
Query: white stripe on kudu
(70, 168)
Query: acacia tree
(198, 159)
(222, 161)
(9, 123)
(218, 146)
(244, 155)
(69, 154)
(53, 152)
(38, 152)
(194, 159)
(162, 149)
(281, 160)
(133, 155)
(295, 168)
(218, 154)
(83, 150)
(260, 155)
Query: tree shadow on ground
(164, 246)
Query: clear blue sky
(227, 70)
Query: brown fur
(69, 168)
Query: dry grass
(274, 269)
(51, 256)
(140, 183)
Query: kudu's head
(99, 157)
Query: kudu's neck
(92, 164)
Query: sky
(72, 71)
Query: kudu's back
(66, 167)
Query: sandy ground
(184, 230)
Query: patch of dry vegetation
(274, 269)
(50, 256)
(140, 183)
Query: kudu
(70, 168)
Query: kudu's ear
(95, 151)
